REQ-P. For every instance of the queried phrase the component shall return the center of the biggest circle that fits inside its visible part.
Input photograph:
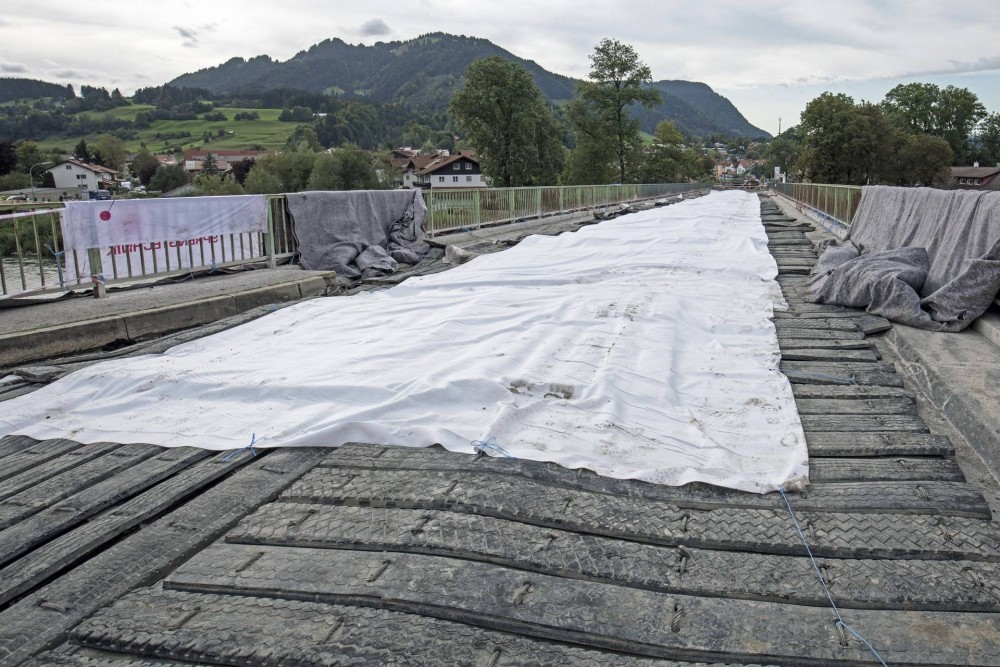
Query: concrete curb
(25, 346)
(959, 374)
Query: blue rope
(483, 447)
(236, 452)
(840, 619)
(58, 255)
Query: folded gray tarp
(924, 257)
(361, 233)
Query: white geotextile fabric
(638, 348)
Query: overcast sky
(768, 58)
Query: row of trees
(521, 140)
(345, 168)
(911, 138)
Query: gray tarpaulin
(921, 256)
(361, 233)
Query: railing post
(538, 201)
(430, 211)
(269, 239)
(478, 203)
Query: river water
(32, 276)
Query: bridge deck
(134, 555)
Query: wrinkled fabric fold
(920, 256)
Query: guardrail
(31, 245)
(32, 257)
(450, 210)
(835, 203)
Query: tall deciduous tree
(989, 140)
(28, 154)
(951, 113)
(784, 151)
(506, 119)
(667, 159)
(850, 143)
(347, 168)
(144, 165)
(168, 178)
(617, 76)
(109, 151)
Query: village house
(194, 159)
(975, 177)
(452, 171)
(81, 175)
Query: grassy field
(268, 132)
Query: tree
(925, 160)
(347, 168)
(168, 178)
(81, 152)
(144, 165)
(216, 184)
(950, 113)
(667, 160)
(260, 181)
(988, 137)
(109, 151)
(784, 151)
(503, 114)
(8, 158)
(209, 165)
(842, 142)
(287, 171)
(616, 82)
(28, 155)
(241, 169)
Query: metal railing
(837, 203)
(31, 244)
(449, 210)
(33, 261)
(30, 247)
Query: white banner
(147, 236)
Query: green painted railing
(838, 203)
(449, 210)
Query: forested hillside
(424, 73)
(18, 89)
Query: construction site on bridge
(631, 431)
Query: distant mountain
(424, 73)
(14, 88)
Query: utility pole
(779, 126)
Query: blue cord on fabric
(483, 447)
(235, 452)
(840, 619)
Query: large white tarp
(638, 348)
(137, 236)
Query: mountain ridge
(425, 71)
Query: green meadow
(268, 132)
